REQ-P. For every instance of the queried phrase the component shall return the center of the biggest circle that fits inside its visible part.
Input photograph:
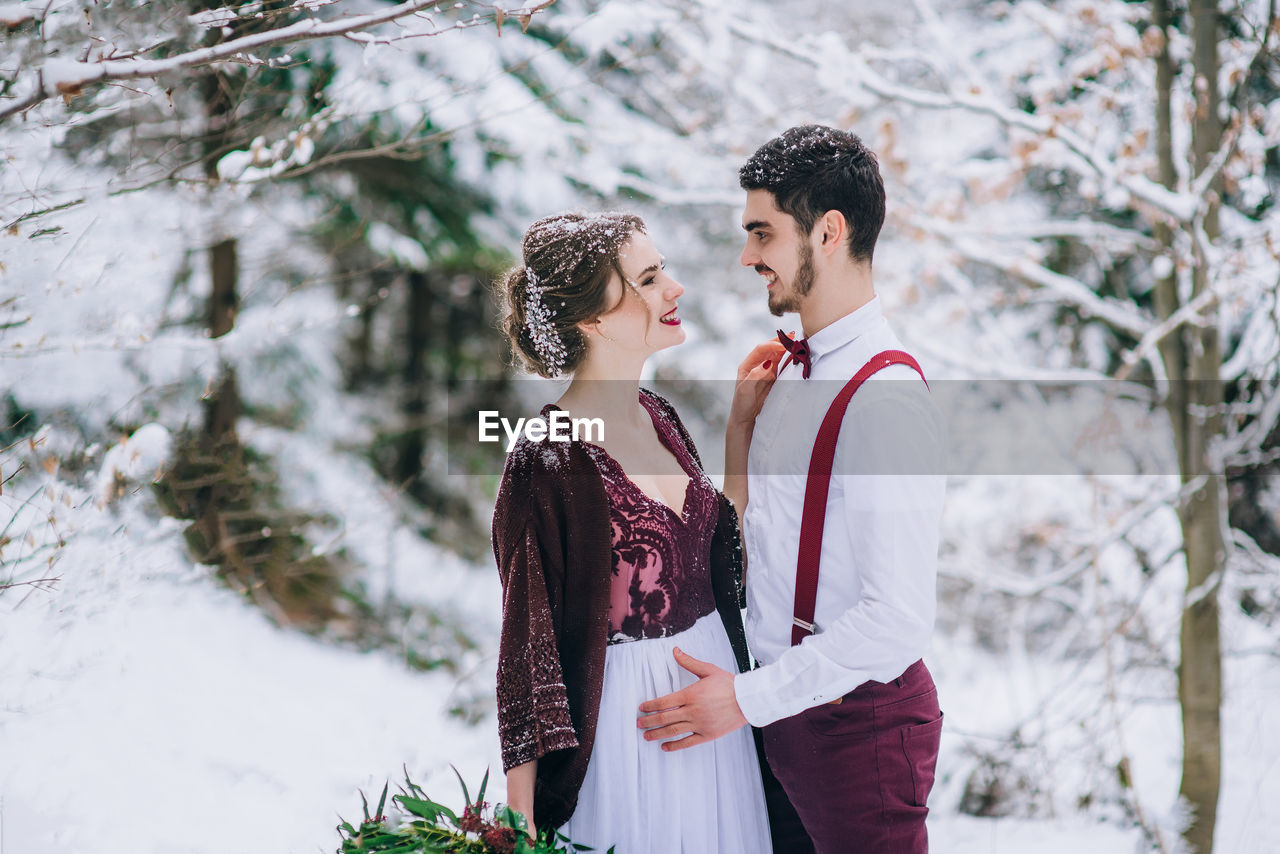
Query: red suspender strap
(819, 484)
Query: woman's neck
(610, 392)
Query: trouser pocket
(920, 747)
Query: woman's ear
(593, 327)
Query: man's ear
(831, 231)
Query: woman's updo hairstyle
(569, 259)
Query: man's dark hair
(813, 169)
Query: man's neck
(834, 297)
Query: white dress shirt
(878, 573)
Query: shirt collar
(836, 334)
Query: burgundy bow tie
(798, 350)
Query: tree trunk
(1172, 347)
(1202, 516)
(362, 369)
(223, 406)
(224, 300)
(417, 337)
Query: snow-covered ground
(149, 709)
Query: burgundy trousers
(859, 772)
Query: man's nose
(749, 257)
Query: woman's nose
(674, 289)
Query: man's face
(777, 251)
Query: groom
(849, 712)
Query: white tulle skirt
(641, 800)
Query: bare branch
(1203, 183)
(15, 16)
(1121, 316)
(1112, 695)
(1189, 313)
(23, 104)
(72, 77)
(1179, 207)
(37, 583)
(1085, 230)
(1051, 584)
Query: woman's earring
(597, 329)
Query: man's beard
(781, 302)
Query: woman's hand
(520, 780)
(528, 820)
(756, 375)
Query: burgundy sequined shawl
(552, 542)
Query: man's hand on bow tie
(704, 711)
(756, 374)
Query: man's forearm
(847, 653)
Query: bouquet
(428, 827)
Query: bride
(613, 554)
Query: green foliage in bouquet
(428, 827)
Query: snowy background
(156, 703)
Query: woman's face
(644, 316)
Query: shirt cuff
(755, 695)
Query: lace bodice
(661, 577)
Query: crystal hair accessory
(538, 320)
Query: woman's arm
(533, 703)
(737, 444)
(755, 377)
(520, 792)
